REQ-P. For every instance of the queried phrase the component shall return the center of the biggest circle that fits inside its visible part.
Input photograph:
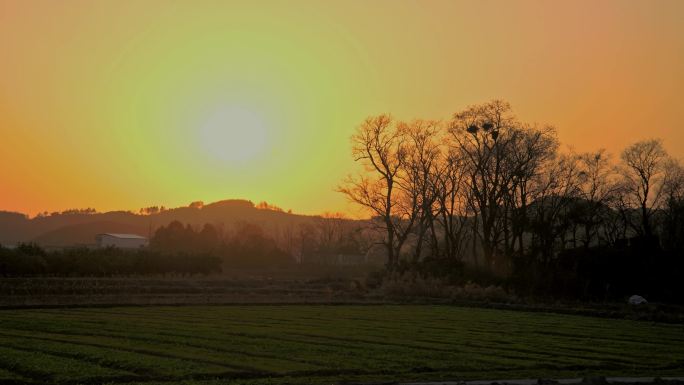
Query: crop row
(199, 343)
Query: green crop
(323, 344)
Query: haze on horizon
(122, 105)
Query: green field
(323, 344)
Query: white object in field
(122, 241)
(637, 300)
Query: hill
(73, 227)
(84, 233)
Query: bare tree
(380, 147)
(673, 212)
(452, 205)
(329, 228)
(288, 240)
(417, 178)
(598, 188)
(644, 175)
(533, 149)
(487, 135)
(555, 192)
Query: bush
(412, 285)
(491, 293)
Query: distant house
(122, 241)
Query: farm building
(122, 241)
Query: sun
(234, 135)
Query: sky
(128, 104)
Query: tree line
(175, 249)
(32, 260)
(247, 246)
(185, 249)
(489, 189)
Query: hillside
(84, 233)
(62, 229)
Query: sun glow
(234, 135)
(218, 99)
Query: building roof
(124, 236)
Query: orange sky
(125, 104)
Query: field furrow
(320, 344)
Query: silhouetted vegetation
(485, 197)
(183, 249)
(174, 249)
(247, 247)
(31, 260)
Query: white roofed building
(121, 241)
